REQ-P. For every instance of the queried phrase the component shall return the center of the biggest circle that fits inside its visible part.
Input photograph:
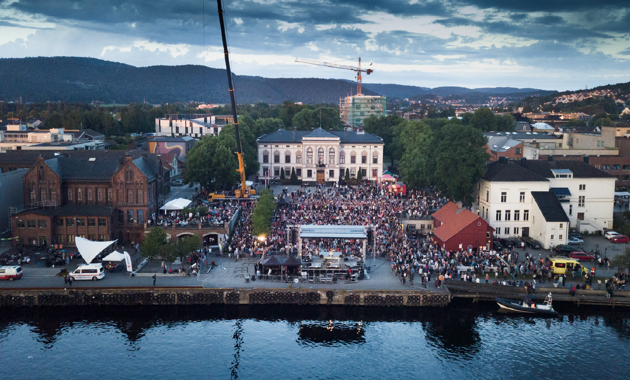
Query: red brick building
(456, 228)
(502, 146)
(99, 198)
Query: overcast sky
(548, 44)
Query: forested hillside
(73, 79)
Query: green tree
(10, 115)
(467, 118)
(154, 243)
(294, 178)
(484, 120)
(212, 163)
(415, 141)
(384, 127)
(22, 114)
(32, 114)
(261, 215)
(266, 126)
(359, 175)
(506, 123)
(282, 177)
(53, 120)
(621, 261)
(347, 174)
(308, 119)
(186, 245)
(603, 122)
(460, 158)
(1, 115)
(288, 111)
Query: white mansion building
(319, 155)
(542, 199)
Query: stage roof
(333, 231)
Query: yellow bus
(564, 265)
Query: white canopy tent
(114, 256)
(90, 249)
(176, 204)
(622, 193)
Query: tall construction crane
(243, 191)
(358, 70)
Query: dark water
(276, 343)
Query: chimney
(549, 158)
(523, 159)
(586, 159)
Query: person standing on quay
(154, 278)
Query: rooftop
(285, 136)
(550, 206)
(539, 170)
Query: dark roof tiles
(550, 206)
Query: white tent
(622, 193)
(176, 204)
(114, 256)
(90, 249)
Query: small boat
(527, 306)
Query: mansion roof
(538, 170)
(344, 137)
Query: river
(459, 342)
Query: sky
(547, 44)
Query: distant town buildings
(197, 125)
(354, 109)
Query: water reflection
(331, 334)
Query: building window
(605, 167)
(110, 195)
(507, 230)
(298, 172)
(276, 172)
(91, 222)
(364, 159)
(30, 223)
(498, 216)
(320, 156)
(42, 195)
(498, 231)
(121, 217)
(70, 191)
(33, 196)
(331, 156)
(102, 237)
(69, 222)
(20, 224)
(99, 195)
(353, 159)
(129, 216)
(102, 222)
(276, 157)
(129, 175)
(561, 227)
(331, 174)
(139, 197)
(40, 174)
(41, 224)
(59, 239)
(342, 158)
(517, 230)
(90, 197)
(551, 237)
(582, 187)
(287, 159)
(526, 215)
(79, 195)
(615, 167)
(309, 156)
(130, 196)
(522, 197)
(140, 216)
(59, 222)
(375, 158)
(503, 197)
(581, 201)
(507, 215)
(53, 195)
(487, 195)
(70, 238)
(353, 173)
(374, 173)
(570, 209)
(519, 151)
(517, 215)
(298, 158)
(265, 158)
(560, 237)
(363, 173)
(80, 222)
(309, 173)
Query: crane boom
(243, 192)
(358, 70)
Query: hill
(75, 79)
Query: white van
(10, 272)
(88, 272)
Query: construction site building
(354, 109)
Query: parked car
(88, 272)
(506, 243)
(535, 244)
(579, 236)
(497, 246)
(564, 249)
(575, 240)
(619, 239)
(177, 182)
(582, 256)
(518, 242)
(610, 234)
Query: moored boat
(527, 306)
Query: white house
(319, 155)
(542, 199)
(191, 125)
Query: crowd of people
(217, 213)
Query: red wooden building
(456, 228)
